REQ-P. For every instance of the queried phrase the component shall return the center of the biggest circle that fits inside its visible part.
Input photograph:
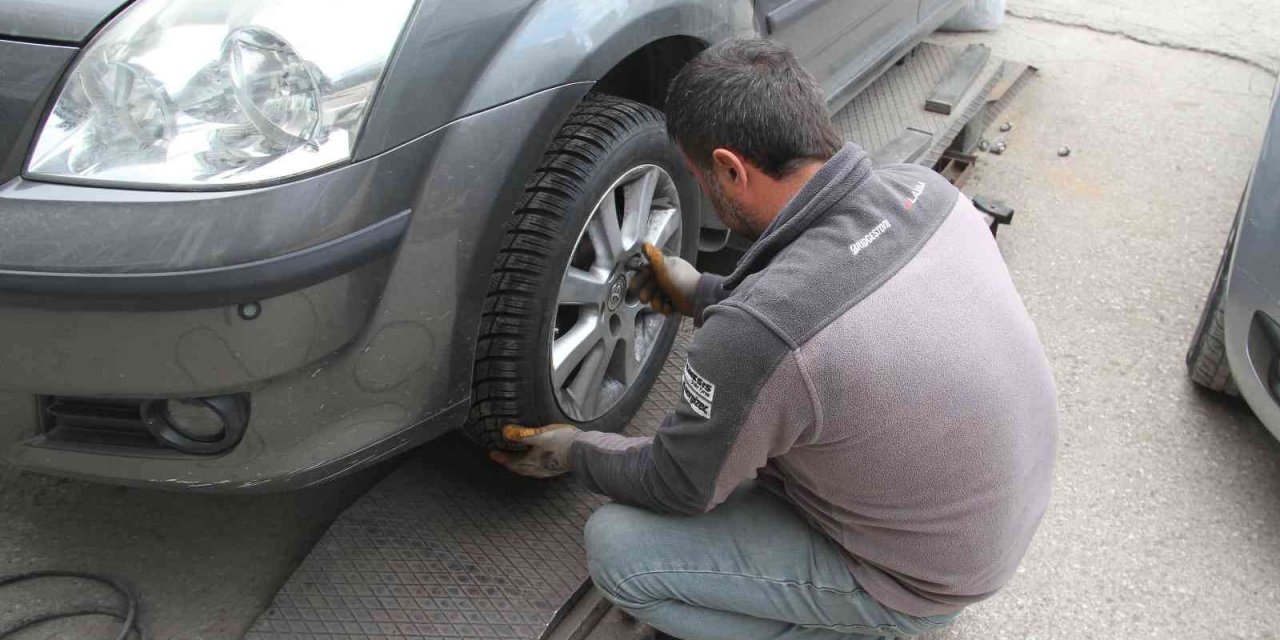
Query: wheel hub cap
(617, 293)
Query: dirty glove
(548, 454)
(666, 283)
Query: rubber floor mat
(451, 545)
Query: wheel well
(644, 75)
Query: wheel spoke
(599, 358)
(637, 199)
(571, 348)
(627, 343)
(582, 287)
(586, 386)
(605, 234)
(663, 224)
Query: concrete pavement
(1242, 29)
(1165, 521)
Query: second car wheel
(561, 339)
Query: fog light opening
(196, 419)
(203, 426)
(1263, 351)
(1275, 379)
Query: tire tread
(512, 302)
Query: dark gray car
(257, 244)
(1236, 347)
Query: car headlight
(214, 93)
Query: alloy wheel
(603, 337)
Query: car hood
(60, 21)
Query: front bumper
(369, 278)
(1252, 312)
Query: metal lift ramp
(933, 108)
(450, 545)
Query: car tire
(603, 141)
(1207, 357)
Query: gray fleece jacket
(870, 360)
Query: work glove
(666, 283)
(548, 454)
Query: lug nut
(1006, 127)
(1064, 151)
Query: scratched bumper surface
(450, 546)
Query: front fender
(570, 41)
(460, 58)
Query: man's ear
(730, 167)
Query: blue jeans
(751, 569)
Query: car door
(839, 41)
(930, 7)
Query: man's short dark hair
(754, 98)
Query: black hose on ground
(128, 619)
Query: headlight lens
(215, 93)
